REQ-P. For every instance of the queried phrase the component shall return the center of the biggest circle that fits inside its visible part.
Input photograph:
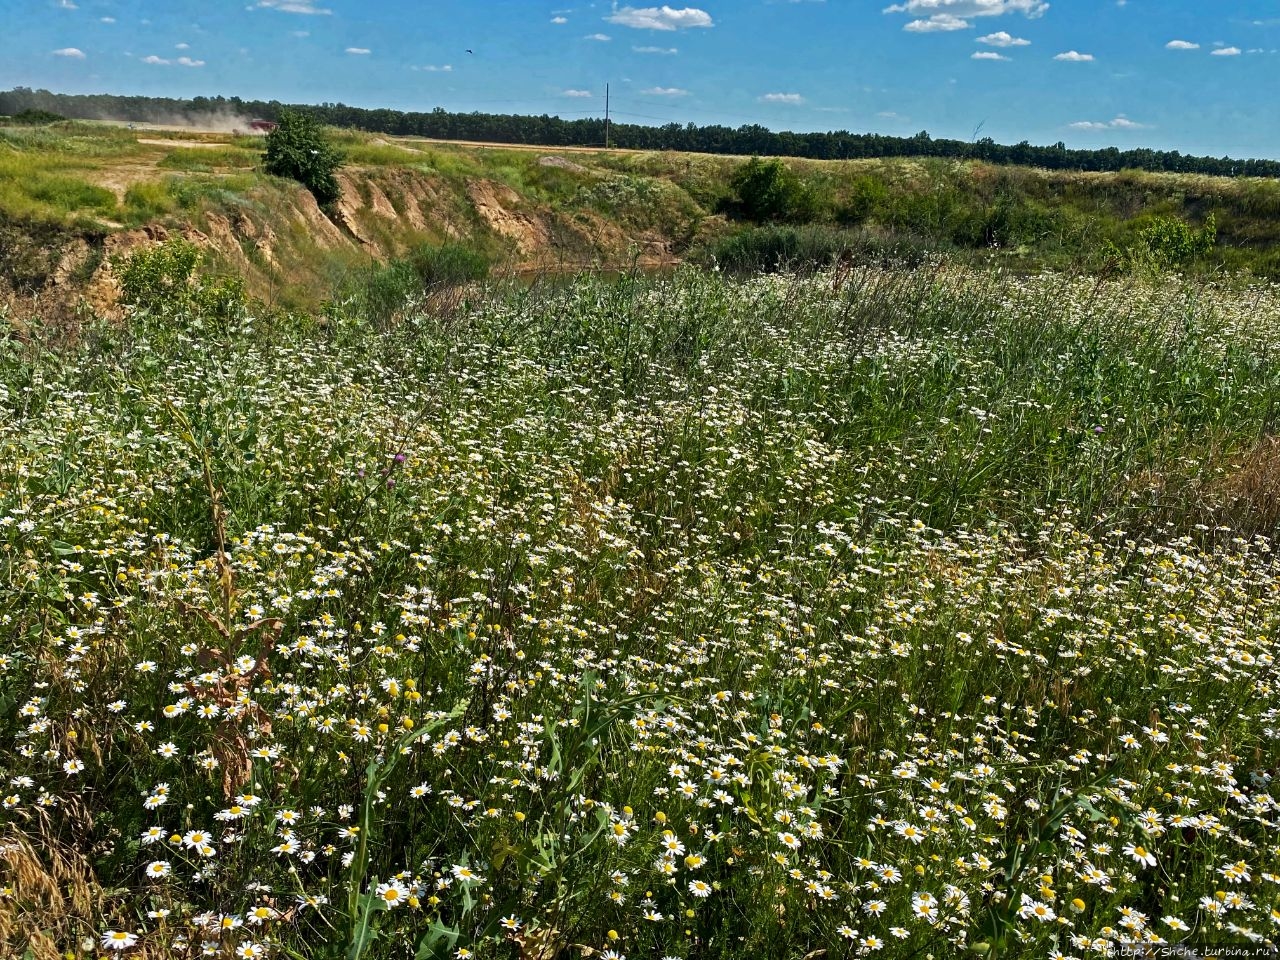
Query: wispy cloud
(293, 6)
(559, 20)
(1225, 52)
(358, 51)
(660, 18)
(661, 51)
(791, 98)
(1181, 45)
(433, 68)
(577, 93)
(1118, 123)
(155, 61)
(1003, 38)
(987, 55)
(75, 53)
(1074, 56)
(934, 16)
(599, 37)
(666, 92)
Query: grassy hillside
(73, 195)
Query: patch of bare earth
(120, 177)
(496, 203)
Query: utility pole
(606, 116)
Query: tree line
(552, 131)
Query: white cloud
(988, 55)
(934, 16)
(666, 92)
(1003, 38)
(576, 93)
(106, 19)
(1181, 45)
(67, 5)
(182, 46)
(660, 18)
(559, 19)
(73, 52)
(180, 62)
(943, 22)
(602, 37)
(1073, 56)
(1225, 52)
(1118, 123)
(358, 51)
(433, 68)
(661, 51)
(791, 98)
(966, 9)
(293, 6)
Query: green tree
(297, 149)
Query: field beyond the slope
(879, 612)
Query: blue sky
(1193, 75)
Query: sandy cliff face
(286, 247)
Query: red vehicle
(262, 126)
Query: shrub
(1170, 242)
(867, 199)
(1165, 243)
(767, 191)
(163, 281)
(448, 264)
(36, 118)
(379, 291)
(298, 149)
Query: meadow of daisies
(911, 613)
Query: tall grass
(870, 611)
(207, 159)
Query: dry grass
(1252, 489)
(52, 898)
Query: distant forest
(552, 131)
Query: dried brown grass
(54, 898)
(1251, 490)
